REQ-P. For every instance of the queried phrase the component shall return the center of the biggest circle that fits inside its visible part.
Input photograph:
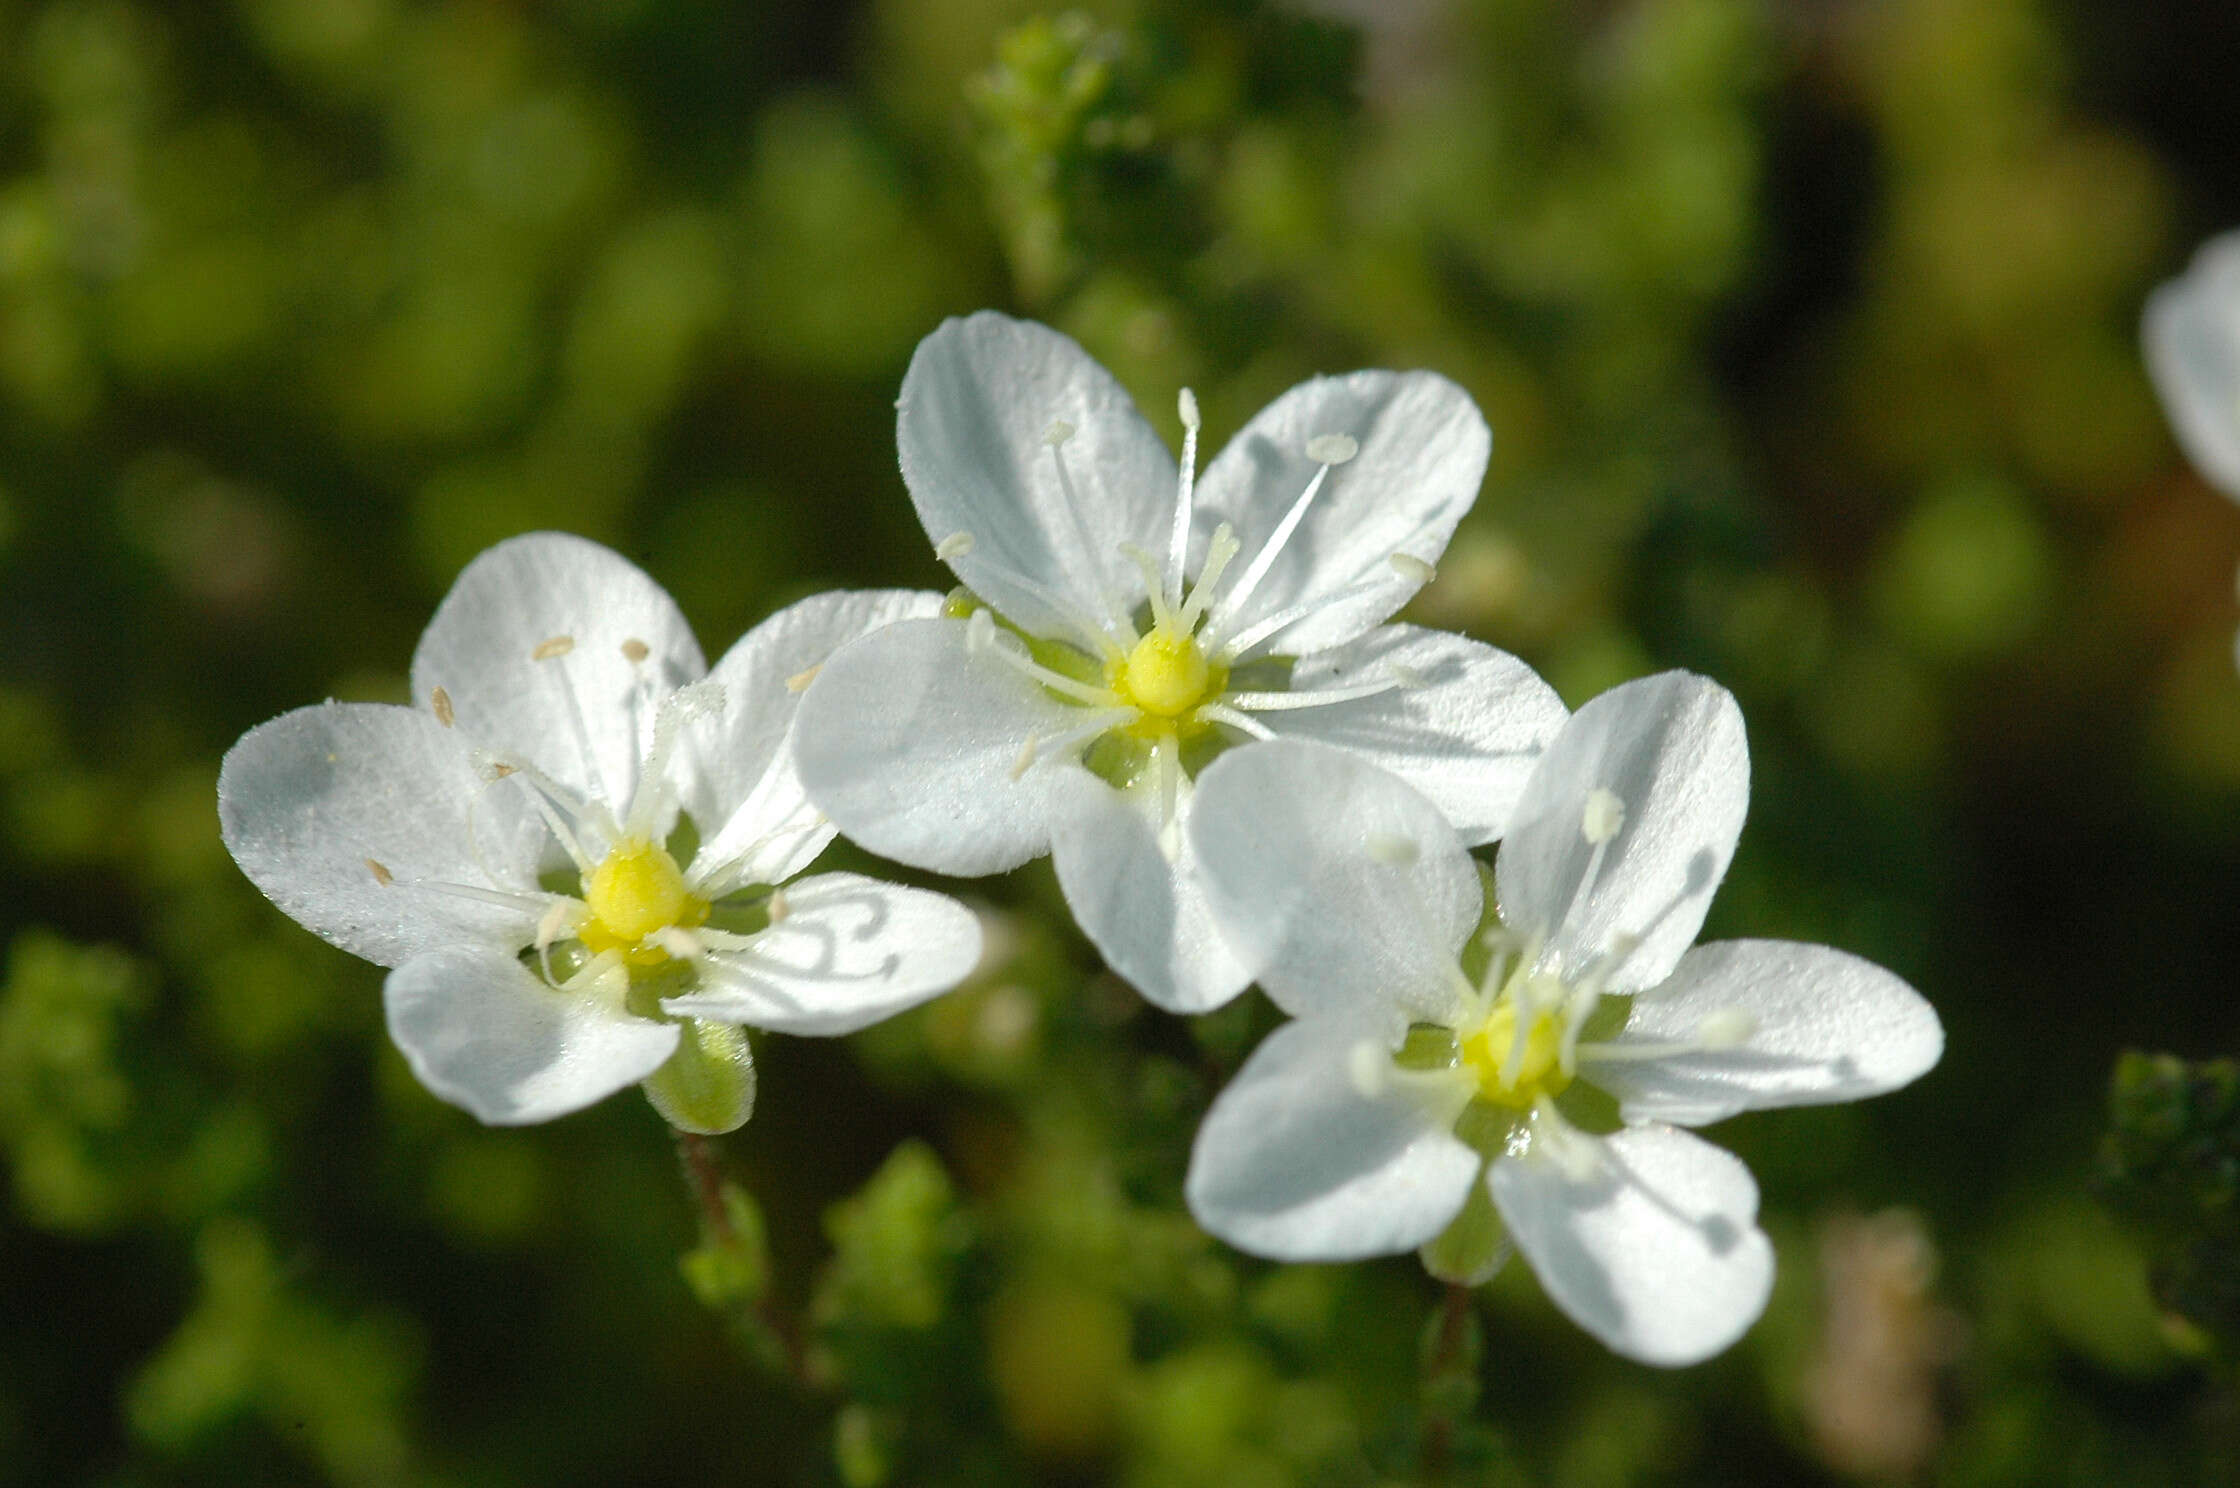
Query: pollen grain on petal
(1332, 449)
(635, 651)
(380, 872)
(553, 646)
(440, 702)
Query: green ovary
(636, 891)
(1489, 1050)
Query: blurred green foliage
(1806, 331)
(2171, 1164)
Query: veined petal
(2191, 332)
(555, 649)
(1825, 1026)
(1465, 727)
(1295, 1162)
(849, 952)
(1146, 914)
(745, 793)
(974, 426)
(1671, 749)
(482, 1032)
(1648, 1238)
(344, 814)
(912, 742)
(1339, 887)
(1421, 454)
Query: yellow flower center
(637, 891)
(1492, 1050)
(1165, 676)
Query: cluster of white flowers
(571, 849)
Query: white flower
(1143, 620)
(2191, 331)
(1363, 1127)
(510, 844)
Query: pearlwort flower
(1127, 621)
(2191, 331)
(1439, 1087)
(570, 849)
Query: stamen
(1166, 755)
(636, 651)
(955, 545)
(1289, 702)
(553, 650)
(1260, 630)
(556, 919)
(1265, 559)
(1162, 613)
(1056, 437)
(1178, 546)
(981, 636)
(1219, 551)
(1574, 1151)
(503, 898)
(1332, 449)
(1369, 1066)
(1025, 761)
(779, 906)
(1217, 713)
(380, 874)
(1604, 817)
(440, 702)
(654, 793)
(1111, 637)
(685, 945)
(1392, 850)
(799, 681)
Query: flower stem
(729, 1270)
(1450, 1380)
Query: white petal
(1466, 727)
(1826, 1026)
(745, 794)
(1295, 1163)
(1146, 914)
(1671, 748)
(2191, 331)
(1422, 452)
(344, 813)
(483, 1032)
(583, 713)
(1340, 888)
(1647, 1239)
(849, 952)
(911, 742)
(977, 404)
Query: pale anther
(1187, 405)
(499, 769)
(1726, 1028)
(440, 702)
(381, 875)
(778, 906)
(1604, 817)
(955, 545)
(1057, 434)
(1027, 752)
(559, 645)
(1412, 568)
(1332, 449)
(1391, 849)
(799, 681)
(1369, 1067)
(635, 651)
(1407, 676)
